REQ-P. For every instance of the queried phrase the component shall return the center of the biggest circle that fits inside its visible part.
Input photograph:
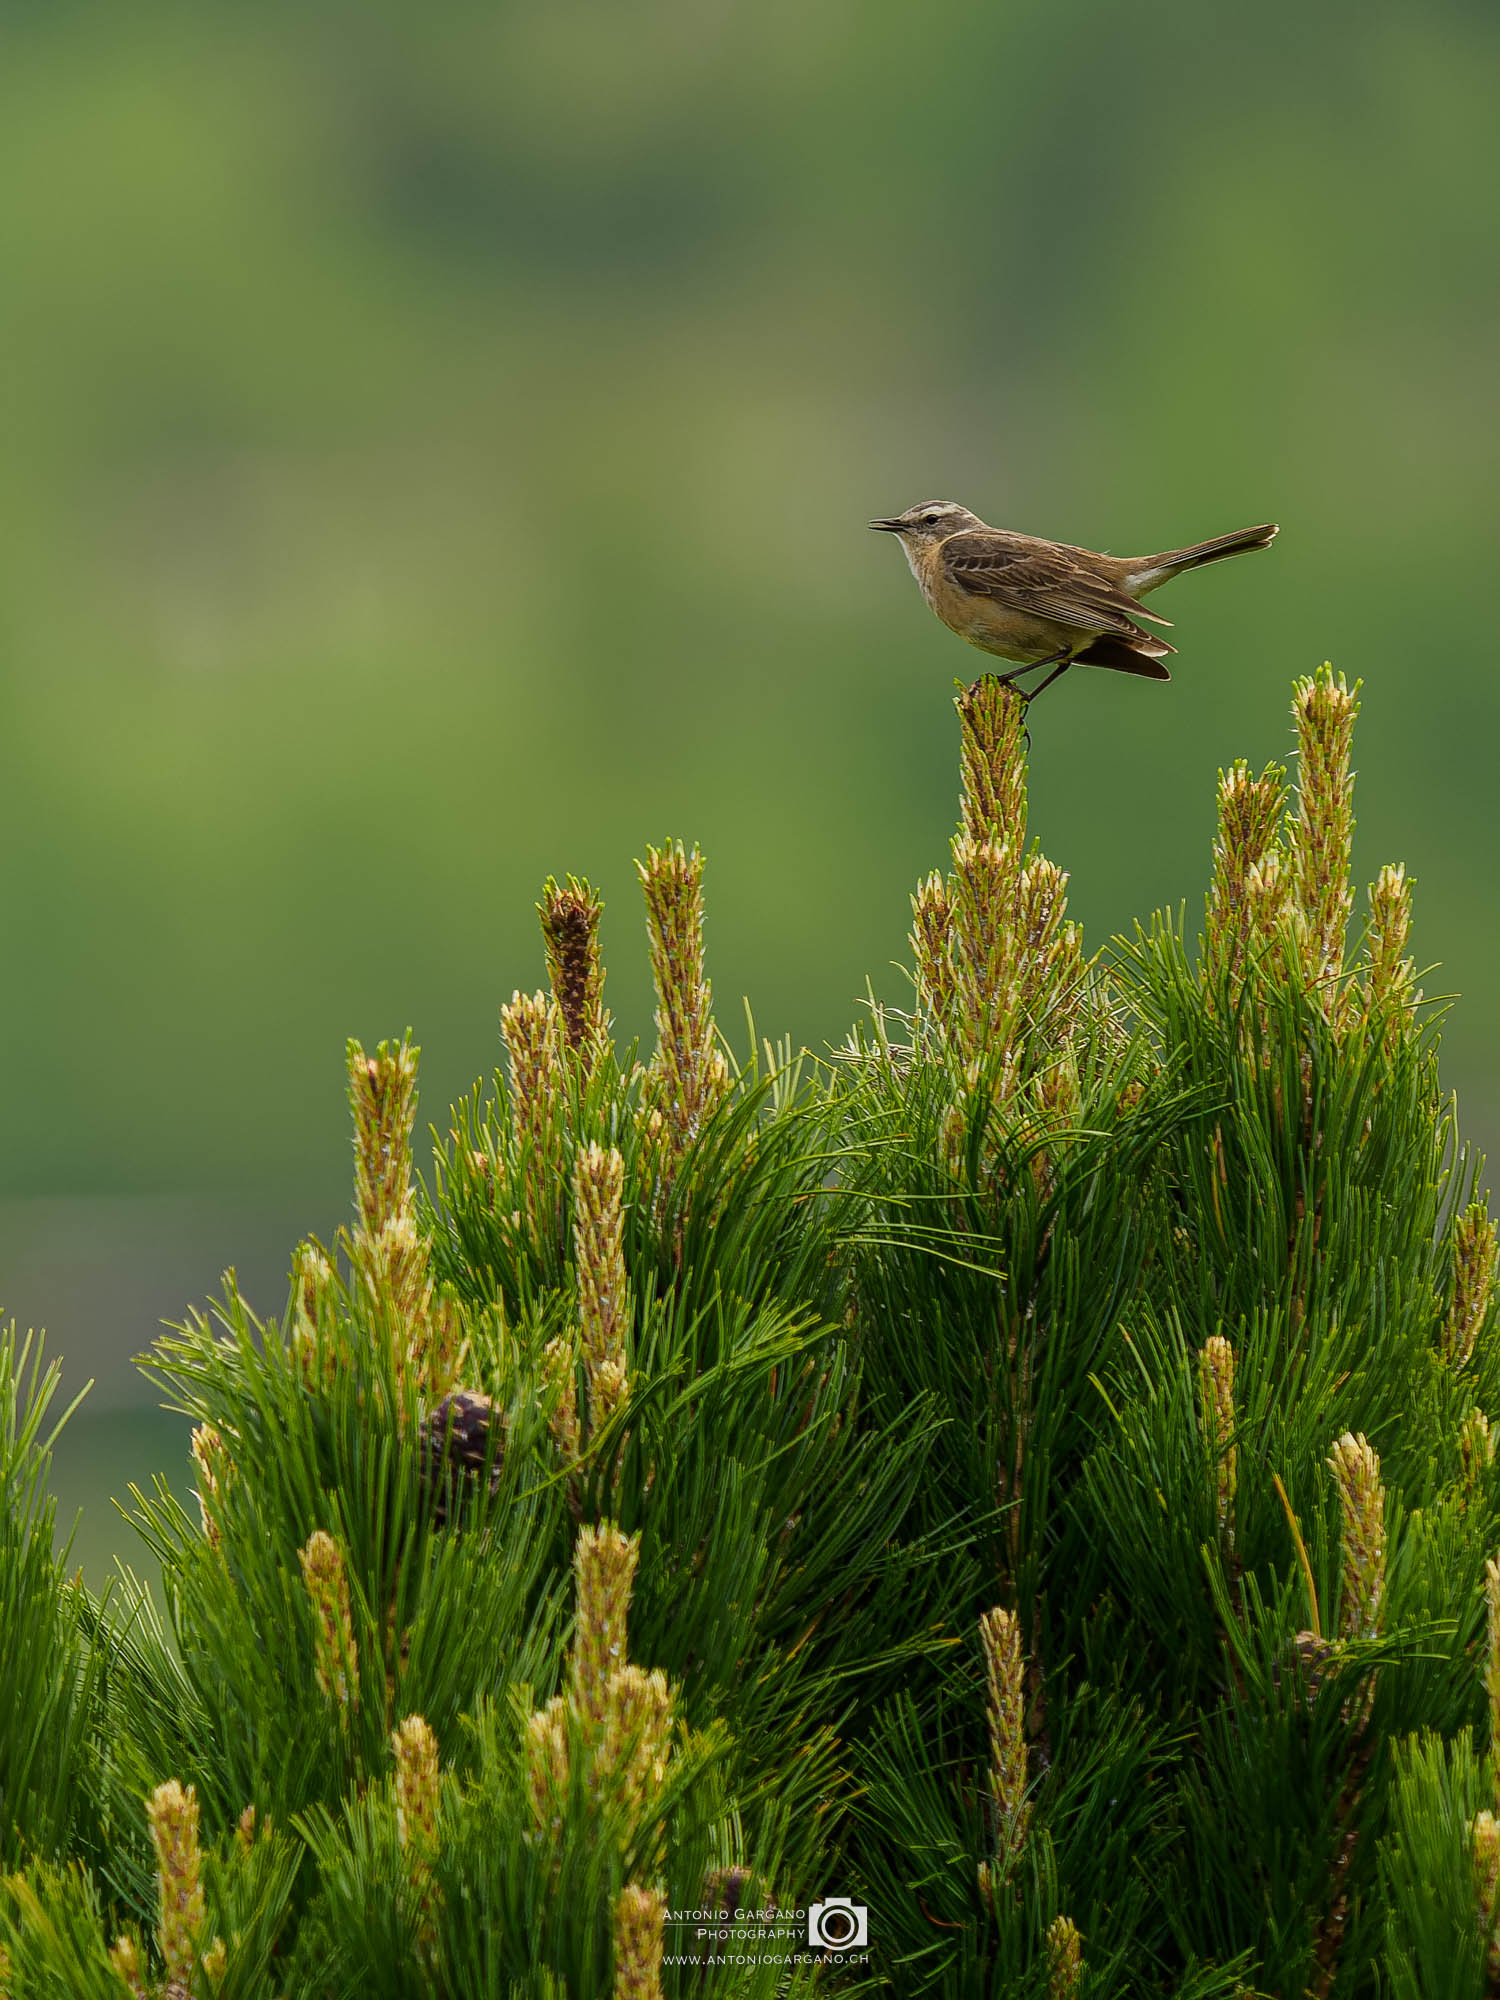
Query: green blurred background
(435, 448)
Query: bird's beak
(891, 527)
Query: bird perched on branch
(1047, 604)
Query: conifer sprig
(560, 1377)
(1492, 1664)
(390, 1253)
(1390, 976)
(604, 1565)
(1474, 1247)
(532, 1029)
(315, 1326)
(986, 878)
(1005, 1681)
(611, 1732)
(125, 1959)
(994, 954)
(327, 1582)
(932, 951)
(1485, 1836)
(992, 763)
(213, 1463)
(1356, 1470)
(1272, 916)
(1217, 1416)
(418, 1786)
(1322, 832)
(639, 1932)
(603, 1287)
(383, 1097)
(1476, 1446)
(575, 969)
(172, 1813)
(1064, 1959)
(1249, 829)
(688, 1071)
(416, 1755)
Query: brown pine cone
(1311, 1659)
(726, 1890)
(460, 1436)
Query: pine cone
(725, 1890)
(1311, 1659)
(460, 1436)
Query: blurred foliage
(437, 445)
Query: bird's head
(932, 521)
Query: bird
(1047, 604)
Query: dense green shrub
(1030, 1473)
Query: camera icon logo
(838, 1925)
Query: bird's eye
(931, 515)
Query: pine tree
(1031, 1474)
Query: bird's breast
(990, 625)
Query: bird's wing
(1046, 580)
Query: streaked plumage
(1048, 603)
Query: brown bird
(1047, 604)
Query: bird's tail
(1153, 570)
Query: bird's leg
(1065, 656)
(1062, 668)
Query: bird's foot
(1057, 672)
